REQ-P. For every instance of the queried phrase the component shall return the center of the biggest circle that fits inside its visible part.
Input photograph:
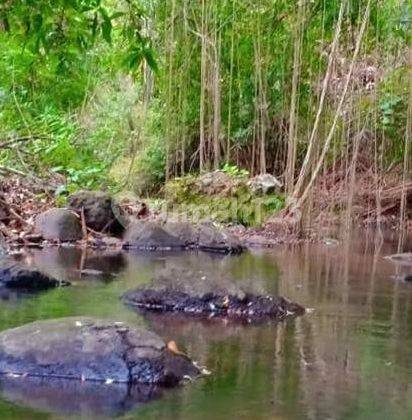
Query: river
(350, 357)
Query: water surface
(351, 358)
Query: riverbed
(349, 357)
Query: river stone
(213, 239)
(16, 276)
(264, 184)
(150, 236)
(59, 224)
(184, 231)
(250, 308)
(89, 349)
(101, 211)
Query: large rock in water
(213, 239)
(59, 224)
(250, 308)
(150, 236)
(101, 212)
(180, 235)
(90, 349)
(197, 294)
(19, 277)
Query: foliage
(233, 170)
(83, 75)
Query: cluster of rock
(102, 214)
(90, 350)
(100, 211)
(180, 235)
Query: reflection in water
(350, 358)
(78, 264)
(70, 397)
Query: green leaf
(107, 31)
(116, 15)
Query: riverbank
(250, 209)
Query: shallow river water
(349, 358)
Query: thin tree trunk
(406, 158)
(292, 140)
(328, 140)
(229, 116)
(169, 89)
(216, 100)
(313, 139)
(202, 90)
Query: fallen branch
(11, 171)
(10, 143)
(14, 213)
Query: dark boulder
(150, 236)
(59, 224)
(101, 211)
(181, 235)
(185, 232)
(252, 308)
(16, 276)
(213, 239)
(88, 349)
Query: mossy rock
(234, 203)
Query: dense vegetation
(128, 93)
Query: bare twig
(84, 227)
(10, 143)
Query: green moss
(240, 206)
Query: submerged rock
(88, 349)
(101, 211)
(59, 224)
(16, 276)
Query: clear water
(351, 358)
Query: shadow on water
(350, 358)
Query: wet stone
(13, 275)
(89, 349)
(250, 308)
(101, 211)
(150, 237)
(59, 224)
